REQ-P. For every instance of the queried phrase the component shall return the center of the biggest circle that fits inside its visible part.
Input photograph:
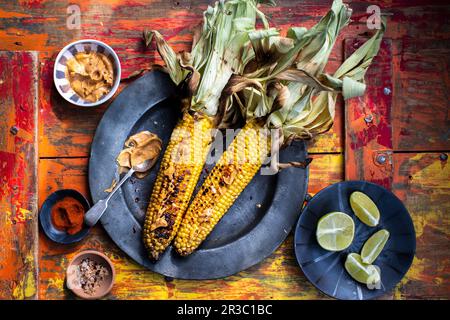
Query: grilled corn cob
(233, 172)
(202, 74)
(301, 114)
(180, 169)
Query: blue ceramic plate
(325, 269)
(46, 221)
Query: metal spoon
(96, 212)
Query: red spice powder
(68, 215)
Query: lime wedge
(365, 209)
(335, 231)
(374, 245)
(361, 272)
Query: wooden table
(44, 142)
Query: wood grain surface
(18, 175)
(418, 32)
(368, 121)
(275, 278)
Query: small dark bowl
(46, 220)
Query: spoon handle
(96, 211)
(121, 182)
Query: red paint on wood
(18, 175)
(22, 85)
(6, 172)
(32, 4)
(420, 30)
(368, 121)
(421, 112)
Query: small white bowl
(59, 70)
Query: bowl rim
(84, 232)
(325, 189)
(108, 261)
(116, 80)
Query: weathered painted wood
(124, 34)
(65, 130)
(18, 175)
(41, 25)
(275, 278)
(368, 128)
(420, 37)
(421, 108)
(421, 181)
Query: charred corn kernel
(179, 172)
(233, 172)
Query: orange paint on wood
(19, 39)
(18, 175)
(12, 14)
(123, 31)
(277, 277)
(419, 122)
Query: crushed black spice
(91, 275)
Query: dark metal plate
(253, 228)
(325, 269)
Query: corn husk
(282, 78)
(313, 112)
(217, 52)
(277, 61)
(313, 47)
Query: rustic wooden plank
(421, 106)
(277, 277)
(18, 175)
(422, 182)
(64, 129)
(42, 26)
(63, 134)
(368, 145)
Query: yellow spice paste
(90, 75)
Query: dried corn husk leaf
(313, 47)
(352, 88)
(238, 83)
(176, 71)
(268, 45)
(228, 41)
(296, 33)
(302, 76)
(297, 59)
(356, 65)
(148, 37)
(217, 52)
(311, 116)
